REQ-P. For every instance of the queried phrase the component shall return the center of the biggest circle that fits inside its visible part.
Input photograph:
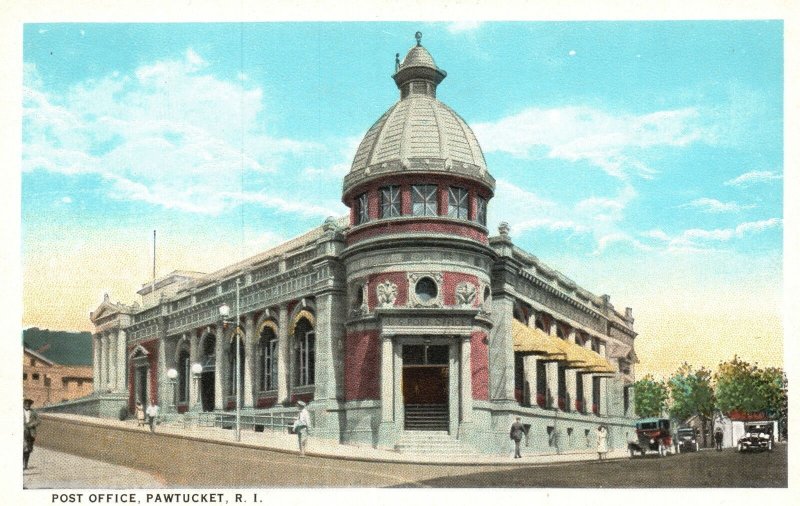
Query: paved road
(52, 469)
(177, 462)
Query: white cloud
(572, 52)
(619, 237)
(66, 200)
(169, 133)
(612, 142)
(338, 163)
(715, 206)
(698, 239)
(463, 26)
(752, 177)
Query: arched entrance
(207, 377)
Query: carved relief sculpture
(465, 294)
(387, 293)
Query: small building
(46, 382)
(406, 316)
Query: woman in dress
(602, 442)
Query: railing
(259, 422)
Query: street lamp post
(224, 311)
(172, 375)
(197, 370)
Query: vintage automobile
(758, 436)
(686, 440)
(652, 434)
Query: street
(179, 462)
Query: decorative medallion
(465, 293)
(387, 293)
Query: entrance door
(426, 378)
(207, 390)
(141, 385)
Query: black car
(686, 440)
(757, 437)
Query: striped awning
(532, 340)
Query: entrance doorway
(426, 379)
(208, 376)
(141, 384)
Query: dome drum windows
(424, 200)
(480, 214)
(457, 203)
(391, 204)
(362, 209)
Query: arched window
(304, 339)
(184, 372)
(268, 359)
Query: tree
(746, 389)
(692, 394)
(650, 397)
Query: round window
(426, 289)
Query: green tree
(748, 389)
(692, 393)
(650, 397)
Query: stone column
(219, 366)
(249, 362)
(387, 430)
(603, 408)
(283, 354)
(330, 308)
(466, 380)
(194, 383)
(163, 386)
(588, 383)
(552, 373)
(501, 351)
(122, 361)
(529, 376)
(96, 363)
(103, 363)
(112, 361)
(572, 392)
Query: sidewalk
(52, 469)
(287, 443)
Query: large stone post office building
(406, 316)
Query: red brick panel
(451, 280)
(480, 366)
(459, 228)
(398, 278)
(362, 366)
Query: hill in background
(65, 348)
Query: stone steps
(434, 443)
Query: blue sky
(641, 159)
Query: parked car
(652, 434)
(758, 436)
(686, 440)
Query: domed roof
(418, 133)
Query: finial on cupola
(418, 36)
(396, 62)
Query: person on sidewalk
(31, 421)
(300, 426)
(152, 415)
(517, 431)
(718, 439)
(602, 443)
(140, 416)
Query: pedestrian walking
(300, 426)
(517, 431)
(602, 442)
(718, 439)
(152, 415)
(140, 416)
(31, 421)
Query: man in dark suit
(517, 430)
(31, 420)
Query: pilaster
(501, 351)
(219, 366)
(249, 359)
(283, 354)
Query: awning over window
(532, 340)
(535, 341)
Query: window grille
(458, 203)
(423, 200)
(390, 202)
(362, 210)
